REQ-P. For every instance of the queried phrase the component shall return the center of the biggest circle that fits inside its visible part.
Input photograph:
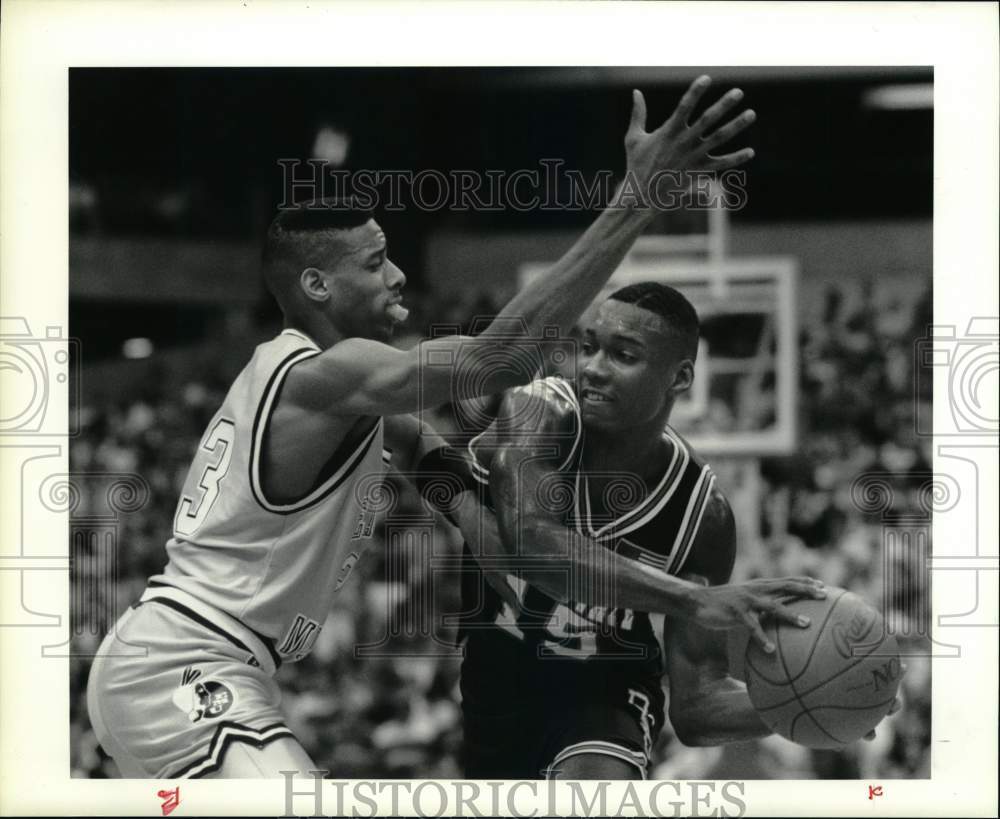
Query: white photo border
(42, 39)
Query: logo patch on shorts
(202, 700)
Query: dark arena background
(815, 288)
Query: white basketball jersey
(272, 566)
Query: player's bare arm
(521, 462)
(604, 578)
(707, 705)
(418, 454)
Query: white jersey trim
(291, 331)
(643, 513)
(260, 427)
(691, 523)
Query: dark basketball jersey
(655, 524)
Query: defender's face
(364, 284)
(625, 367)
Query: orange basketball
(829, 684)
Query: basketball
(829, 684)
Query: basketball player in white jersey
(269, 525)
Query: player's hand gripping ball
(831, 683)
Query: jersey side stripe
(259, 427)
(692, 519)
(263, 409)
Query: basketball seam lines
(805, 709)
(777, 628)
(815, 644)
(875, 647)
(854, 707)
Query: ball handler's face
(628, 370)
(365, 299)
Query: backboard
(744, 400)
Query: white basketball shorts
(175, 683)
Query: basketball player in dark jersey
(562, 669)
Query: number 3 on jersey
(215, 452)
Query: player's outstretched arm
(546, 553)
(443, 476)
(561, 294)
(363, 377)
(601, 577)
(528, 445)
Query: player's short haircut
(669, 304)
(297, 235)
(299, 224)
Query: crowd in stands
(394, 712)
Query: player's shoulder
(713, 552)
(553, 389)
(278, 354)
(542, 413)
(291, 373)
(289, 339)
(544, 405)
(718, 523)
(312, 378)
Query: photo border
(39, 41)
